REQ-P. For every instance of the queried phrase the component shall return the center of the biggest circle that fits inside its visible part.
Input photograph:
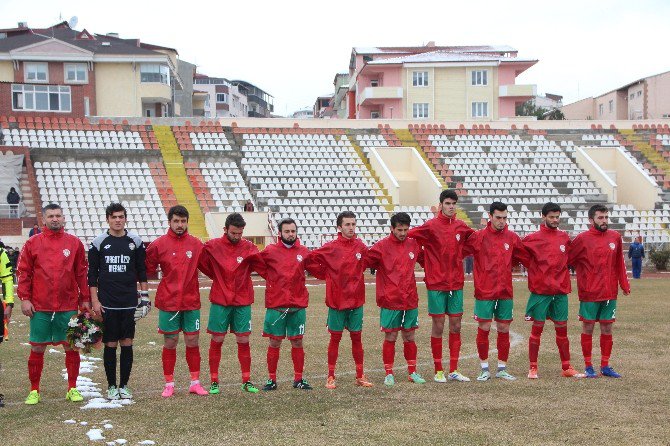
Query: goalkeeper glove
(143, 305)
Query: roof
(421, 49)
(446, 56)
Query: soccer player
(115, 265)
(7, 280)
(283, 266)
(52, 282)
(442, 239)
(496, 250)
(231, 296)
(341, 263)
(178, 296)
(597, 255)
(394, 257)
(549, 285)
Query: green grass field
(551, 410)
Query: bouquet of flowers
(84, 333)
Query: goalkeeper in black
(116, 264)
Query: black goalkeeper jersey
(115, 265)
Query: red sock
(214, 359)
(273, 360)
(436, 348)
(35, 366)
(388, 355)
(298, 357)
(483, 344)
(563, 344)
(357, 352)
(244, 356)
(72, 361)
(605, 349)
(503, 346)
(587, 347)
(333, 347)
(193, 361)
(534, 344)
(409, 348)
(454, 351)
(169, 358)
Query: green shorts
(48, 327)
(352, 320)
(445, 302)
(172, 322)
(603, 311)
(222, 318)
(501, 309)
(283, 323)
(396, 320)
(541, 307)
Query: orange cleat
(330, 383)
(363, 382)
(572, 373)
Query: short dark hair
(448, 193)
(179, 211)
(400, 218)
(235, 219)
(497, 206)
(286, 221)
(550, 207)
(115, 207)
(51, 207)
(343, 215)
(597, 208)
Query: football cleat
(113, 393)
(214, 388)
(125, 393)
(74, 395)
(330, 383)
(572, 373)
(363, 382)
(439, 377)
(302, 384)
(389, 381)
(416, 378)
(609, 372)
(485, 375)
(532, 373)
(457, 376)
(590, 373)
(248, 387)
(197, 389)
(168, 391)
(271, 384)
(504, 375)
(33, 397)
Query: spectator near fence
(636, 254)
(13, 199)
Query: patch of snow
(151, 343)
(25, 343)
(90, 358)
(84, 423)
(89, 394)
(101, 403)
(121, 441)
(147, 442)
(70, 422)
(53, 350)
(95, 435)
(108, 426)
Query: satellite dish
(73, 22)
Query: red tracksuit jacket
(52, 272)
(341, 263)
(495, 253)
(222, 261)
(598, 259)
(442, 239)
(394, 261)
(178, 258)
(547, 261)
(284, 272)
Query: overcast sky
(292, 49)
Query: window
(601, 109)
(221, 97)
(611, 105)
(36, 72)
(375, 115)
(420, 79)
(76, 72)
(374, 82)
(153, 72)
(480, 109)
(420, 110)
(632, 95)
(639, 93)
(480, 77)
(41, 98)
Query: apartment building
(261, 103)
(63, 72)
(436, 82)
(216, 97)
(646, 98)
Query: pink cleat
(168, 391)
(197, 389)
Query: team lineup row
(55, 279)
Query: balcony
(371, 93)
(512, 91)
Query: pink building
(436, 82)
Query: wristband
(144, 293)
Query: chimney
(113, 35)
(23, 24)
